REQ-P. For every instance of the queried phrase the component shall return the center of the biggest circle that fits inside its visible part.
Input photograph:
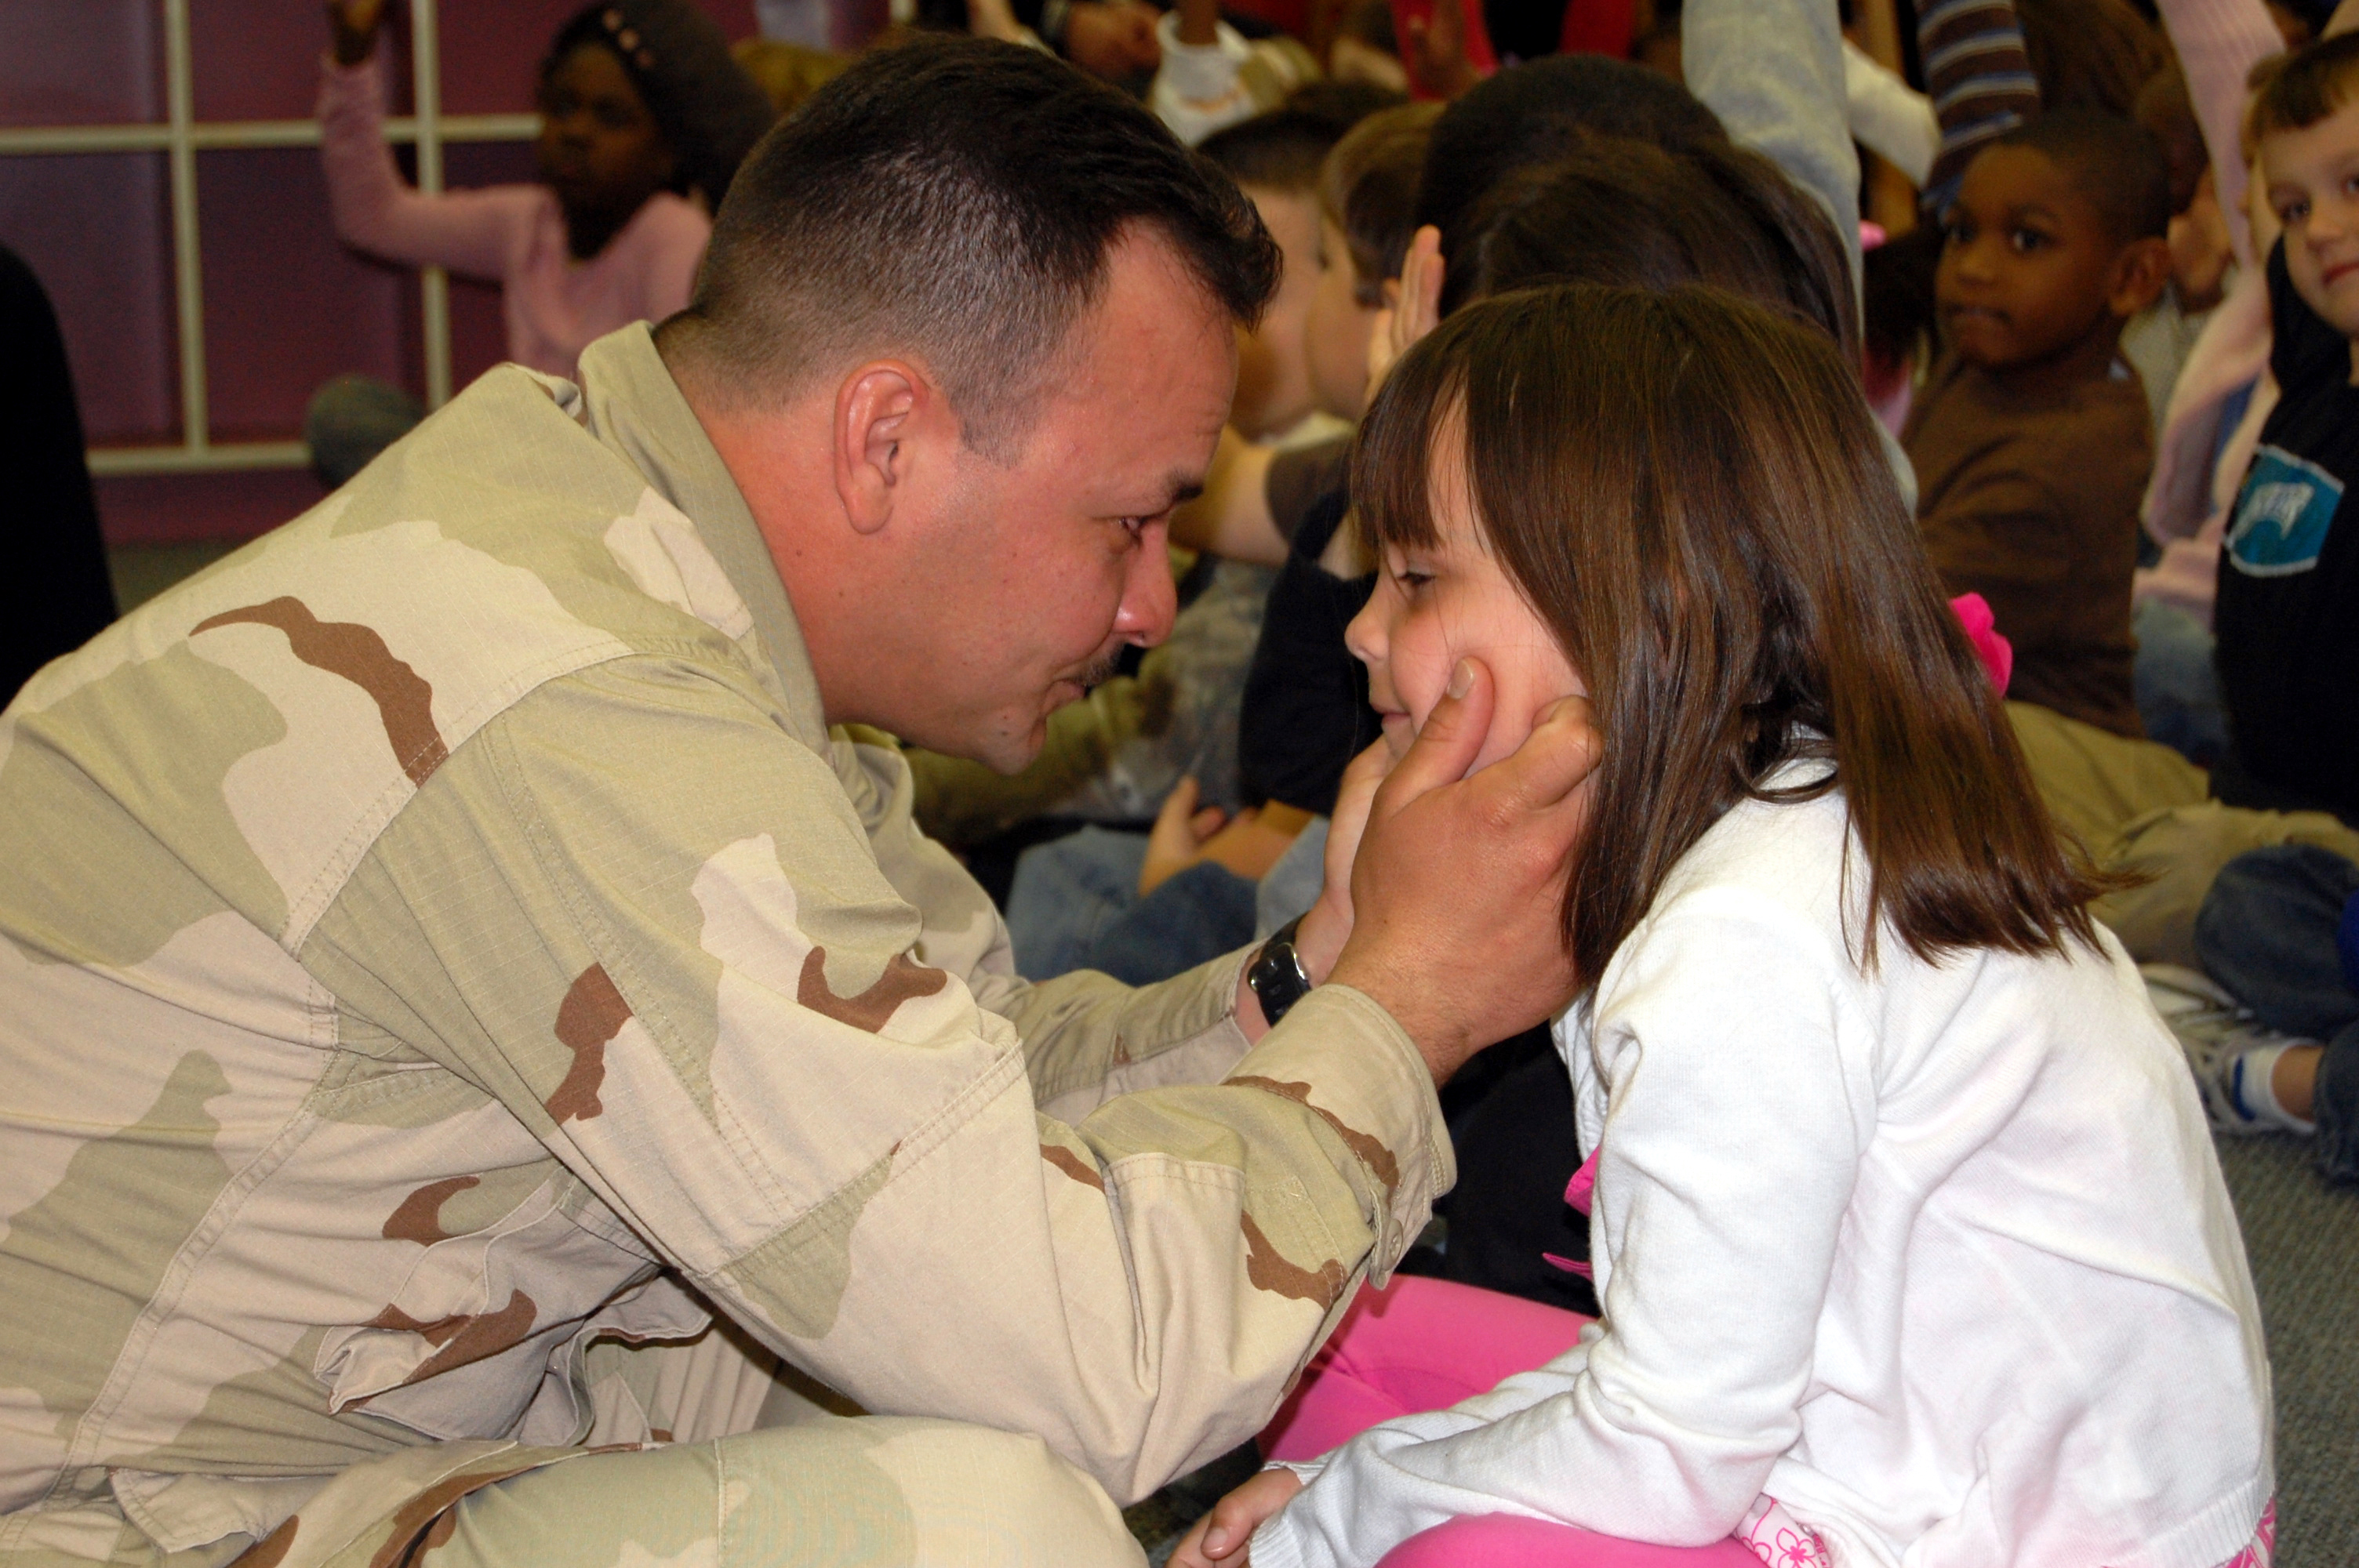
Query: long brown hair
(1687, 489)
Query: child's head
(638, 96)
(1542, 112)
(1274, 157)
(2089, 54)
(2305, 123)
(1677, 504)
(1367, 198)
(2054, 241)
(1639, 215)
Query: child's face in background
(1436, 605)
(2028, 268)
(600, 149)
(1336, 334)
(1273, 362)
(2311, 178)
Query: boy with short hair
(2287, 609)
(2031, 441)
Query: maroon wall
(286, 305)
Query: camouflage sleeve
(651, 924)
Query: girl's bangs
(1392, 460)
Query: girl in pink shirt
(645, 118)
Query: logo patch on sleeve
(2282, 514)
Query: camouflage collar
(635, 408)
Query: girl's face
(600, 147)
(1438, 604)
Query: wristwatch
(1276, 975)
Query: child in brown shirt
(2031, 439)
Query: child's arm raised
(2219, 42)
(376, 209)
(1773, 72)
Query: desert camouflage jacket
(444, 934)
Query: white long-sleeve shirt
(1938, 1256)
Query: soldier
(477, 1029)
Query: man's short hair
(2309, 85)
(953, 199)
(2117, 165)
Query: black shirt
(2287, 612)
(1305, 713)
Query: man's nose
(1150, 601)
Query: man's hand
(1459, 882)
(355, 24)
(1219, 1539)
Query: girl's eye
(614, 117)
(2292, 212)
(2027, 240)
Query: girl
(645, 118)
(1909, 1232)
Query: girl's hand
(1220, 1537)
(355, 24)
(1416, 311)
(1177, 838)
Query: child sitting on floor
(1909, 1236)
(645, 118)
(2031, 441)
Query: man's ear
(875, 410)
(2140, 274)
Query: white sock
(2252, 1086)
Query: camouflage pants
(870, 1490)
(699, 1456)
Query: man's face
(2028, 271)
(2312, 177)
(1033, 574)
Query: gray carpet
(2303, 1239)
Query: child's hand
(354, 24)
(1220, 1537)
(1415, 312)
(1177, 838)
(1437, 51)
(1184, 836)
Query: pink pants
(1420, 1344)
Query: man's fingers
(1446, 747)
(1563, 749)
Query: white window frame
(180, 138)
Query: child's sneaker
(2219, 1035)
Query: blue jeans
(2177, 689)
(1075, 906)
(2266, 932)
